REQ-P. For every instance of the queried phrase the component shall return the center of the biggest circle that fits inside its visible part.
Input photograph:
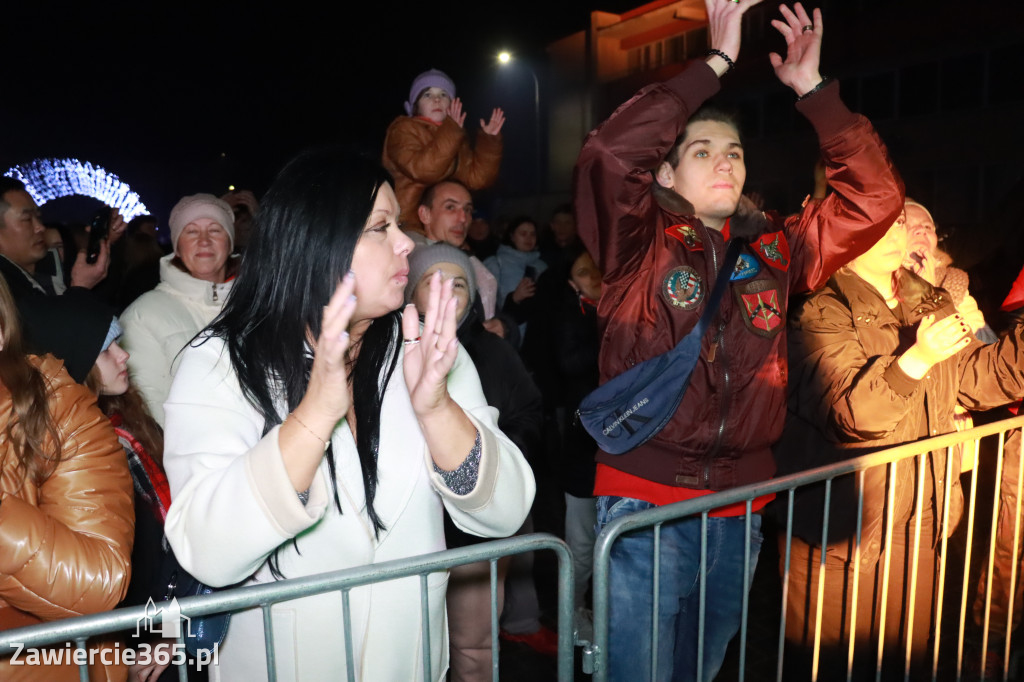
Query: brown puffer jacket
(848, 397)
(65, 545)
(419, 153)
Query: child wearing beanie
(430, 144)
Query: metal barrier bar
(915, 566)
(944, 544)
(856, 574)
(1011, 598)
(993, 535)
(785, 581)
(494, 620)
(858, 465)
(264, 595)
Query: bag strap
(731, 254)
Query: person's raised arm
(612, 179)
(867, 192)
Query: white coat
(158, 324)
(233, 505)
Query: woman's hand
(936, 341)
(327, 396)
(803, 49)
(724, 24)
(493, 126)
(430, 354)
(456, 113)
(524, 290)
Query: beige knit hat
(196, 206)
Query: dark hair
(562, 209)
(513, 225)
(427, 198)
(707, 112)
(307, 229)
(8, 185)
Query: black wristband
(824, 81)
(719, 53)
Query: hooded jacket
(64, 545)
(658, 260)
(160, 323)
(848, 397)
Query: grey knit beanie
(423, 258)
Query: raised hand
(430, 354)
(456, 113)
(493, 126)
(117, 226)
(327, 396)
(88, 276)
(936, 341)
(799, 70)
(724, 24)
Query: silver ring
(410, 342)
(807, 28)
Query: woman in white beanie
(194, 282)
(430, 144)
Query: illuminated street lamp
(504, 59)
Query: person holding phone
(516, 266)
(23, 248)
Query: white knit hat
(196, 206)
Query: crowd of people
(358, 367)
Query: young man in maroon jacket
(658, 190)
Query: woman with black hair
(280, 460)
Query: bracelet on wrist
(291, 415)
(718, 53)
(820, 86)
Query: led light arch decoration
(49, 179)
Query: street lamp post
(505, 58)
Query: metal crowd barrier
(81, 629)
(595, 653)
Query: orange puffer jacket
(419, 153)
(65, 545)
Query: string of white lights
(49, 179)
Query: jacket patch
(746, 268)
(761, 305)
(688, 235)
(683, 288)
(774, 249)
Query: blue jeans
(631, 597)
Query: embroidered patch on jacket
(761, 305)
(774, 249)
(746, 268)
(683, 288)
(688, 235)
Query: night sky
(158, 92)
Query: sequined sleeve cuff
(462, 481)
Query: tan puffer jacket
(64, 546)
(419, 153)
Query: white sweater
(158, 324)
(233, 505)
